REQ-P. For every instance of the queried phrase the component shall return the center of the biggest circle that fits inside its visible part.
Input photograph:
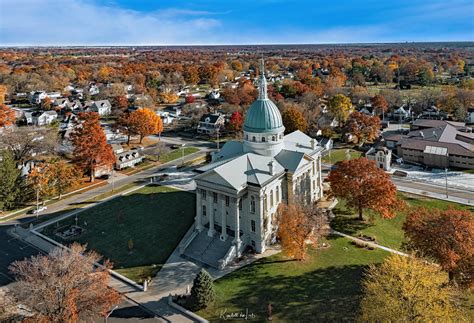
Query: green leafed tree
(202, 292)
(407, 289)
(9, 180)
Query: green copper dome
(263, 116)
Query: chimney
(313, 143)
(271, 169)
(422, 135)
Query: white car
(40, 209)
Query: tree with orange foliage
(64, 285)
(90, 144)
(121, 102)
(447, 236)
(294, 120)
(3, 93)
(144, 122)
(39, 180)
(7, 116)
(364, 186)
(191, 74)
(47, 103)
(298, 225)
(363, 127)
(379, 104)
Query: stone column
(223, 219)
(237, 226)
(198, 218)
(210, 207)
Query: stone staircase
(208, 250)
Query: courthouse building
(238, 193)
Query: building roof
(429, 123)
(447, 136)
(213, 118)
(263, 115)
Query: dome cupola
(263, 126)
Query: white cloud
(78, 22)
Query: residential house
(382, 157)
(470, 115)
(44, 118)
(210, 124)
(61, 103)
(402, 113)
(327, 120)
(433, 113)
(128, 159)
(102, 107)
(75, 106)
(165, 116)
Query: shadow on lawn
(329, 294)
(349, 225)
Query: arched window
(265, 202)
(280, 136)
(271, 198)
(254, 139)
(274, 138)
(263, 139)
(246, 137)
(252, 204)
(277, 194)
(204, 210)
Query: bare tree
(63, 285)
(26, 141)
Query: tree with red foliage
(7, 116)
(447, 236)
(236, 121)
(364, 186)
(363, 127)
(190, 99)
(64, 285)
(379, 104)
(90, 144)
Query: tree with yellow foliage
(407, 289)
(340, 106)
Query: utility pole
(113, 179)
(182, 148)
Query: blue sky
(162, 22)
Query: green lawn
(339, 155)
(325, 287)
(177, 153)
(154, 217)
(388, 232)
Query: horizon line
(248, 44)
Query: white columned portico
(210, 208)
(237, 226)
(199, 211)
(223, 219)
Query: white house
(402, 113)
(128, 159)
(382, 157)
(102, 107)
(470, 115)
(211, 123)
(238, 193)
(44, 118)
(165, 117)
(61, 103)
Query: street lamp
(446, 173)
(182, 148)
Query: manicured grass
(325, 287)
(339, 155)
(155, 218)
(388, 232)
(177, 153)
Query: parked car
(37, 211)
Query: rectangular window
(204, 210)
(252, 224)
(214, 197)
(227, 201)
(253, 243)
(240, 204)
(203, 194)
